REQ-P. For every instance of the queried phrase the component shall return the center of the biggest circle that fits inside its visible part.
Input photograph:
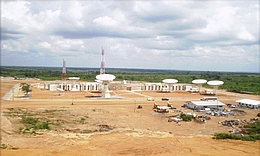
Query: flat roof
(208, 103)
(163, 107)
(248, 101)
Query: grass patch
(40, 119)
(81, 120)
(33, 124)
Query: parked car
(150, 99)
(165, 99)
(231, 105)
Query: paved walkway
(11, 93)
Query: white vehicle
(150, 99)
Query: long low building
(254, 104)
(205, 104)
(115, 85)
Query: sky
(178, 35)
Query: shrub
(44, 125)
(185, 117)
(227, 136)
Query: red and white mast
(63, 75)
(102, 68)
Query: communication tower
(64, 75)
(102, 68)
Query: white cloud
(245, 35)
(45, 45)
(105, 21)
(224, 35)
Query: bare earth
(94, 126)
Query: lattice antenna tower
(102, 68)
(64, 71)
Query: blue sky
(178, 35)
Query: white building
(205, 104)
(165, 87)
(116, 85)
(249, 103)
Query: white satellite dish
(106, 79)
(199, 82)
(168, 82)
(215, 84)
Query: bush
(251, 137)
(253, 128)
(185, 117)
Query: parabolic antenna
(105, 77)
(169, 82)
(215, 84)
(199, 82)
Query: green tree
(26, 88)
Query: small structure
(162, 109)
(209, 92)
(254, 104)
(202, 105)
(193, 90)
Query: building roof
(248, 101)
(208, 103)
(163, 107)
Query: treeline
(246, 83)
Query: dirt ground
(84, 124)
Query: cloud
(184, 35)
(95, 32)
(105, 21)
(7, 34)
